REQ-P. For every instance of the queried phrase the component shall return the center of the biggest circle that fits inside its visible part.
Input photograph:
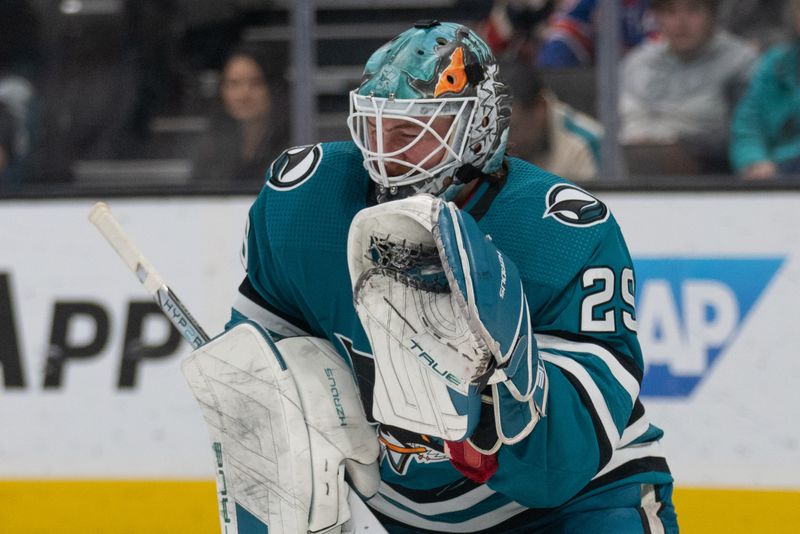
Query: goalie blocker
(286, 421)
(446, 314)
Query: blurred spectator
(89, 91)
(20, 42)
(245, 135)
(7, 144)
(513, 28)
(569, 40)
(758, 21)
(20, 66)
(683, 88)
(17, 104)
(154, 34)
(549, 133)
(766, 126)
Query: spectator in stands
(549, 133)
(681, 90)
(244, 136)
(16, 122)
(513, 28)
(765, 137)
(569, 39)
(88, 91)
(557, 33)
(21, 63)
(7, 144)
(160, 84)
(21, 51)
(760, 22)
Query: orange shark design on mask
(454, 77)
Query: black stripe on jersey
(519, 523)
(484, 203)
(628, 469)
(625, 361)
(246, 289)
(442, 493)
(634, 467)
(659, 500)
(637, 413)
(388, 523)
(603, 442)
(364, 368)
(645, 522)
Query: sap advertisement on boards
(89, 369)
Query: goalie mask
(438, 83)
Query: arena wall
(102, 437)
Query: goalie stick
(363, 520)
(100, 215)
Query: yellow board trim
(108, 507)
(178, 507)
(734, 511)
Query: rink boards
(99, 438)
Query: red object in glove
(473, 464)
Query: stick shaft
(100, 215)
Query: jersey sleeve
(585, 333)
(264, 295)
(294, 251)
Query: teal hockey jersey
(580, 285)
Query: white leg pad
(283, 418)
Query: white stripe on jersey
(456, 504)
(632, 452)
(266, 318)
(483, 521)
(598, 401)
(650, 506)
(634, 430)
(618, 371)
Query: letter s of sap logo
(689, 311)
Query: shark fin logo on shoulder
(294, 166)
(572, 206)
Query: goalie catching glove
(446, 314)
(285, 419)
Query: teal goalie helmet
(429, 71)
